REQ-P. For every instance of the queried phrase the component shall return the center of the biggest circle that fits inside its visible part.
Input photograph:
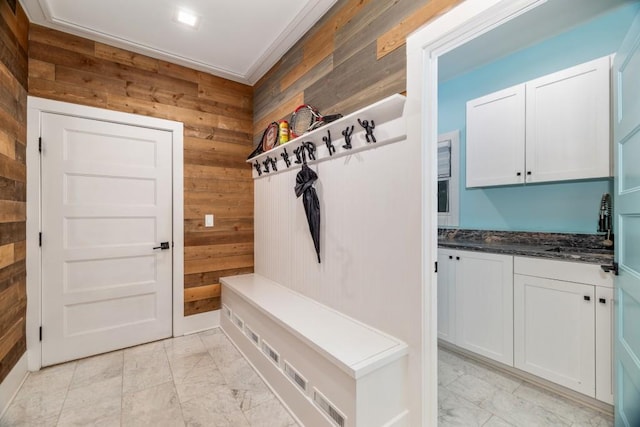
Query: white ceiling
(236, 39)
(545, 21)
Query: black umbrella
(304, 187)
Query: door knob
(163, 246)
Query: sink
(572, 250)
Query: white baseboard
(12, 383)
(200, 322)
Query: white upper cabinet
(568, 124)
(495, 138)
(552, 128)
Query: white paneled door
(626, 133)
(106, 209)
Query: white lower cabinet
(604, 344)
(476, 299)
(554, 331)
(563, 324)
(553, 319)
(446, 295)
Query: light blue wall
(560, 207)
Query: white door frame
(468, 20)
(35, 108)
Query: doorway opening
(470, 32)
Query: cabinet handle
(603, 300)
(450, 256)
(457, 258)
(587, 298)
(519, 174)
(528, 172)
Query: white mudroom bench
(328, 368)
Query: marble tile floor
(196, 380)
(471, 394)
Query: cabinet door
(495, 138)
(484, 304)
(446, 295)
(567, 132)
(554, 331)
(604, 344)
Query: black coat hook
(274, 163)
(285, 156)
(347, 137)
(258, 168)
(311, 149)
(368, 127)
(328, 143)
(266, 164)
(298, 153)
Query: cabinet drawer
(568, 271)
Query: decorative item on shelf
(258, 168)
(347, 137)
(328, 143)
(368, 127)
(270, 137)
(311, 149)
(285, 156)
(283, 132)
(266, 164)
(306, 118)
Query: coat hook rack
(328, 143)
(347, 138)
(285, 156)
(258, 168)
(368, 127)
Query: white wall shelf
(387, 115)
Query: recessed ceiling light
(186, 17)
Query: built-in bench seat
(328, 368)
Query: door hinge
(40, 145)
(436, 266)
(40, 333)
(40, 239)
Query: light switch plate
(208, 220)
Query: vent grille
(328, 408)
(252, 335)
(238, 321)
(271, 353)
(295, 376)
(226, 310)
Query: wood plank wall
(14, 30)
(351, 58)
(217, 117)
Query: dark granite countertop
(586, 248)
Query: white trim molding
(35, 108)
(12, 383)
(200, 322)
(42, 12)
(466, 21)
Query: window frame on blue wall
(452, 217)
